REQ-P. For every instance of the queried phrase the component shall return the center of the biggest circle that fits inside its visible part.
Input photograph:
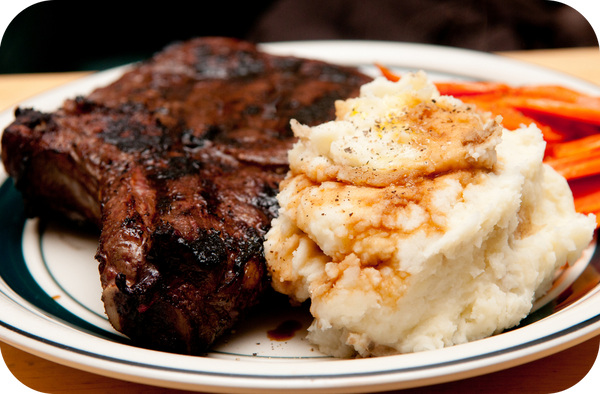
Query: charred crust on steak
(224, 63)
(174, 167)
(178, 163)
(173, 253)
(31, 118)
(131, 136)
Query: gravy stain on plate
(285, 331)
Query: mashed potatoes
(414, 222)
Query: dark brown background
(63, 35)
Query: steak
(178, 163)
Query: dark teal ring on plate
(19, 279)
(14, 271)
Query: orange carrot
(577, 147)
(452, 88)
(459, 89)
(573, 167)
(512, 118)
(386, 72)
(571, 111)
(586, 194)
(552, 92)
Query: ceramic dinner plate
(50, 288)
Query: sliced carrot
(452, 88)
(513, 119)
(586, 194)
(577, 147)
(573, 167)
(588, 204)
(386, 72)
(549, 92)
(570, 129)
(500, 103)
(488, 98)
(459, 89)
(571, 111)
(551, 135)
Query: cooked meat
(177, 163)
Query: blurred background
(81, 35)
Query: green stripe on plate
(14, 272)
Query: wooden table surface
(550, 374)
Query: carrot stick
(571, 111)
(452, 88)
(512, 118)
(459, 89)
(589, 203)
(586, 194)
(386, 72)
(577, 147)
(573, 167)
(552, 92)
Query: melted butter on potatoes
(395, 132)
(415, 222)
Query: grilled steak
(178, 163)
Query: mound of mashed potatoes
(415, 222)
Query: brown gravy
(284, 331)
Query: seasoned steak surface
(178, 163)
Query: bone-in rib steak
(177, 163)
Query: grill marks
(223, 63)
(130, 136)
(178, 162)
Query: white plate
(50, 290)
